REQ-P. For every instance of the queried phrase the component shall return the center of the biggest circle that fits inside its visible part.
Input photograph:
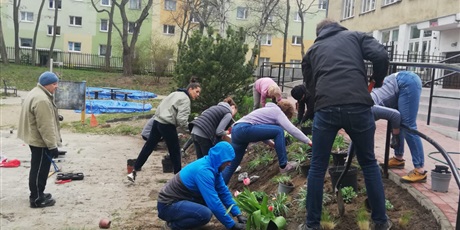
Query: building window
(168, 29)
(55, 2)
(414, 32)
(322, 4)
(75, 46)
(348, 8)
(296, 64)
(25, 42)
(388, 2)
(194, 19)
(51, 30)
(266, 39)
(75, 21)
(296, 40)
(27, 16)
(104, 25)
(131, 26)
(367, 5)
(264, 60)
(170, 5)
(102, 50)
(135, 4)
(106, 2)
(297, 16)
(241, 12)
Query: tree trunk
(108, 52)
(286, 29)
(34, 40)
(2, 45)
(127, 61)
(50, 55)
(16, 5)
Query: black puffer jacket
(334, 66)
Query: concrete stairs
(444, 111)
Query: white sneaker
(132, 176)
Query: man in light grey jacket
(39, 128)
(172, 112)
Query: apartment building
(82, 30)
(424, 26)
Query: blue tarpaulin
(112, 106)
(105, 93)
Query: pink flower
(236, 193)
(246, 181)
(270, 208)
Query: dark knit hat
(47, 78)
(298, 92)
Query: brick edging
(423, 200)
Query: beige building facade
(423, 26)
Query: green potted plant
(339, 150)
(301, 153)
(307, 127)
(260, 214)
(285, 184)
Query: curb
(423, 200)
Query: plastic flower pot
(284, 188)
(304, 168)
(167, 164)
(349, 179)
(338, 159)
(440, 178)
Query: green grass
(25, 77)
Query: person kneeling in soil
(265, 88)
(173, 111)
(402, 91)
(198, 191)
(211, 126)
(264, 124)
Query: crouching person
(198, 191)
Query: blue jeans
(245, 133)
(358, 122)
(184, 214)
(410, 88)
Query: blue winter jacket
(203, 177)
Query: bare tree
(108, 50)
(129, 47)
(2, 44)
(303, 10)
(286, 29)
(53, 40)
(263, 11)
(34, 40)
(16, 6)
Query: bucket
(130, 165)
(283, 188)
(167, 164)
(440, 178)
(349, 179)
(339, 158)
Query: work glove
(54, 152)
(395, 142)
(239, 226)
(242, 219)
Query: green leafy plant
(363, 219)
(307, 123)
(301, 198)
(348, 194)
(283, 179)
(259, 194)
(264, 160)
(389, 205)
(281, 204)
(339, 144)
(258, 213)
(327, 221)
(405, 219)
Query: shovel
(338, 185)
(351, 151)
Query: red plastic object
(63, 181)
(10, 164)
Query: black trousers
(39, 168)
(169, 134)
(202, 146)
